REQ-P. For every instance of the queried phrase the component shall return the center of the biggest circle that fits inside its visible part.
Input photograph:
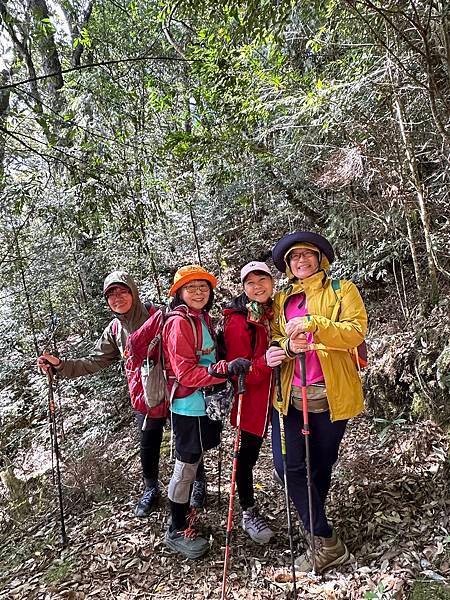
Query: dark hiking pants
(325, 439)
(247, 457)
(150, 445)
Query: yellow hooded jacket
(343, 384)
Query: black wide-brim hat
(300, 237)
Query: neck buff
(259, 312)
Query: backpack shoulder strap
(336, 285)
(116, 330)
(193, 325)
(150, 307)
(115, 327)
(168, 315)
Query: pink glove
(296, 326)
(298, 343)
(275, 356)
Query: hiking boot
(186, 542)
(148, 501)
(198, 494)
(329, 552)
(255, 526)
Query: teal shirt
(194, 404)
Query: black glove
(238, 366)
(220, 372)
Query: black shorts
(194, 435)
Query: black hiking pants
(150, 446)
(248, 455)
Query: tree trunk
(194, 231)
(21, 45)
(415, 258)
(402, 298)
(420, 193)
(76, 25)
(419, 188)
(48, 51)
(26, 293)
(4, 107)
(445, 26)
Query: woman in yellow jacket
(326, 319)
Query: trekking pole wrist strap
(289, 352)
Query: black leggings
(150, 446)
(247, 457)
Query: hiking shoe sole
(191, 554)
(262, 541)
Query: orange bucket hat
(189, 273)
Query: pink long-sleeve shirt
(296, 307)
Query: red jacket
(241, 341)
(180, 353)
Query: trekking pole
(277, 373)
(219, 474)
(241, 392)
(55, 453)
(53, 326)
(306, 433)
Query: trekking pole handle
(302, 359)
(47, 367)
(277, 377)
(241, 383)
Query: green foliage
(59, 570)
(427, 590)
(84, 39)
(377, 594)
(36, 545)
(387, 428)
(100, 515)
